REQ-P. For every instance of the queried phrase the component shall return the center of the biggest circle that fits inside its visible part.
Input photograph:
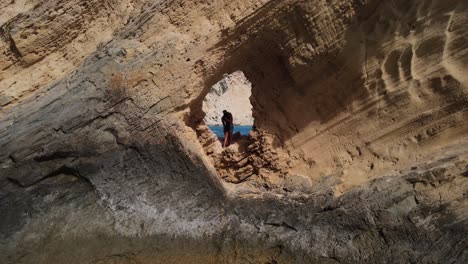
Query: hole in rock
(231, 94)
(251, 158)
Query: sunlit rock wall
(355, 88)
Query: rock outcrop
(360, 153)
(232, 93)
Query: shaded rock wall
(104, 157)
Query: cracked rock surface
(360, 153)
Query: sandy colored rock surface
(360, 154)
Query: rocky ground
(360, 154)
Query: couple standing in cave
(228, 125)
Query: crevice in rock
(5, 33)
(63, 170)
(156, 104)
(282, 224)
(12, 158)
(56, 155)
(15, 182)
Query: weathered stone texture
(360, 154)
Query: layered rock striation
(360, 152)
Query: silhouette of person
(228, 125)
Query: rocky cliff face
(360, 154)
(232, 93)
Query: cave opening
(246, 158)
(232, 94)
(252, 159)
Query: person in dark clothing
(228, 125)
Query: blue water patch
(218, 130)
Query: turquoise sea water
(218, 130)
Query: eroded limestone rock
(360, 154)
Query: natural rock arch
(107, 152)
